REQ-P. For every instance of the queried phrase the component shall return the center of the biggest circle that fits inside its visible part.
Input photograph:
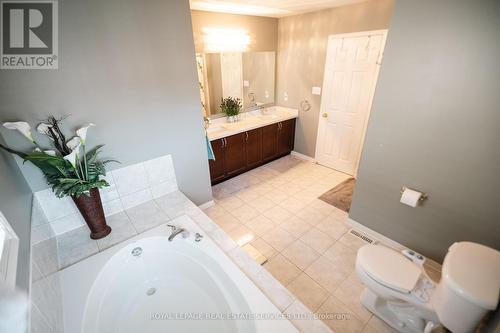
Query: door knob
(325, 115)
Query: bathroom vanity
(260, 137)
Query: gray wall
(302, 42)
(435, 126)
(128, 66)
(15, 204)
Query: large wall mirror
(248, 76)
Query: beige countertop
(220, 128)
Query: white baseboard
(303, 157)
(206, 205)
(387, 241)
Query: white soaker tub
(179, 286)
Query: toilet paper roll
(410, 197)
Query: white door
(232, 75)
(351, 70)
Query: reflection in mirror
(248, 76)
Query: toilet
(398, 291)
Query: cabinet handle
(246, 136)
(225, 143)
(279, 126)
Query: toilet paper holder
(422, 198)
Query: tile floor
(274, 209)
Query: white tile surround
(130, 186)
(56, 252)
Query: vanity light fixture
(226, 40)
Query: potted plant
(231, 107)
(70, 169)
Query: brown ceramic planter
(90, 206)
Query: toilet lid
(388, 267)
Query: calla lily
(44, 128)
(71, 158)
(23, 127)
(74, 143)
(82, 132)
(46, 152)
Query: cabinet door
(235, 154)
(269, 142)
(254, 147)
(217, 167)
(286, 137)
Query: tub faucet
(176, 231)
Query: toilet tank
(469, 287)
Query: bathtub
(148, 284)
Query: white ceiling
(271, 8)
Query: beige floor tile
(291, 188)
(263, 188)
(317, 239)
(231, 203)
(352, 241)
(277, 196)
(296, 226)
(324, 272)
(277, 214)
(321, 206)
(263, 247)
(377, 325)
(332, 228)
(248, 194)
(339, 215)
(308, 291)
(227, 222)
(279, 238)
(343, 320)
(244, 213)
(241, 235)
(262, 204)
(282, 269)
(260, 225)
(305, 196)
(311, 215)
(215, 211)
(343, 257)
(349, 293)
(255, 254)
(292, 204)
(300, 254)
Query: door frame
(368, 33)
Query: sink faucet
(176, 231)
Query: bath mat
(341, 195)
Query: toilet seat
(389, 268)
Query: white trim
(8, 257)
(387, 241)
(206, 205)
(302, 156)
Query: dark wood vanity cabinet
(217, 172)
(286, 133)
(234, 154)
(241, 152)
(254, 148)
(270, 142)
